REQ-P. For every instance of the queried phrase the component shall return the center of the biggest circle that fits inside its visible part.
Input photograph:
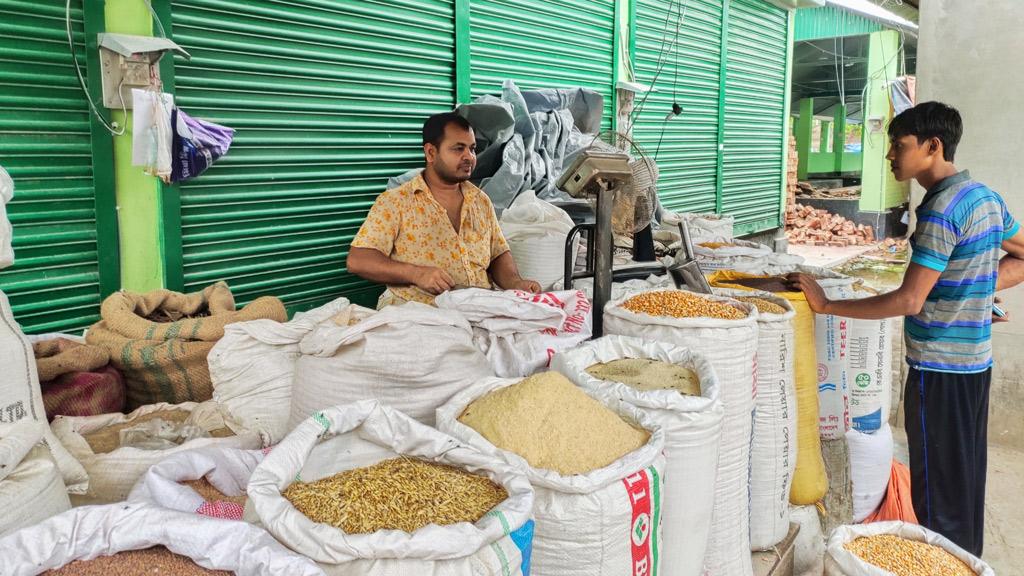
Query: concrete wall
(969, 56)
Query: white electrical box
(128, 62)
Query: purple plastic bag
(195, 144)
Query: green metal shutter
(755, 99)
(543, 44)
(685, 147)
(328, 98)
(47, 146)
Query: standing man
(438, 231)
(947, 297)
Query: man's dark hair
(930, 120)
(433, 128)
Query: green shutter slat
(754, 114)
(830, 22)
(543, 44)
(328, 98)
(46, 145)
(688, 154)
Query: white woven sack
(31, 489)
(253, 365)
(362, 434)
(536, 231)
(730, 346)
(112, 475)
(809, 547)
(693, 429)
(841, 562)
(870, 469)
(723, 258)
(6, 231)
(773, 449)
(519, 331)
(90, 531)
(22, 399)
(607, 521)
(227, 469)
(411, 357)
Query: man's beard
(450, 176)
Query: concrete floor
(828, 256)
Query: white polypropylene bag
(113, 474)
(6, 231)
(87, 532)
(362, 434)
(773, 449)
(841, 562)
(411, 357)
(536, 231)
(693, 429)
(31, 489)
(227, 469)
(809, 547)
(253, 365)
(22, 399)
(724, 258)
(870, 467)
(607, 521)
(702, 226)
(730, 346)
(520, 331)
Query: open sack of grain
(31, 488)
(412, 358)
(140, 539)
(597, 470)
(886, 548)
(773, 448)
(356, 488)
(520, 331)
(159, 340)
(117, 449)
(678, 389)
(724, 331)
(209, 481)
(21, 399)
(252, 367)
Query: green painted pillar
(839, 136)
(138, 194)
(804, 132)
(826, 135)
(879, 189)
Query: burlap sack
(62, 356)
(159, 340)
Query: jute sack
(362, 434)
(31, 489)
(113, 473)
(76, 379)
(159, 340)
(731, 348)
(20, 395)
(841, 562)
(91, 531)
(773, 450)
(607, 521)
(693, 430)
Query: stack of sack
(77, 379)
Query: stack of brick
(817, 227)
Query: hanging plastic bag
(195, 145)
(151, 133)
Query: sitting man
(438, 231)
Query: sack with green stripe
(605, 522)
(160, 340)
(365, 433)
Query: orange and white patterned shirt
(408, 225)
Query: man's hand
(1004, 318)
(526, 286)
(433, 280)
(812, 291)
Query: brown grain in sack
(160, 340)
(209, 492)
(156, 560)
(644, 374)
(108, 439)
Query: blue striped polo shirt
(961, 225)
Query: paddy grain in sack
(397, 494)
(209, 492)
(644, 375)
(156, 560)
(553, 424)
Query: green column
(879, 190)
(138, 194)
(804, 132)
(839, 136)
